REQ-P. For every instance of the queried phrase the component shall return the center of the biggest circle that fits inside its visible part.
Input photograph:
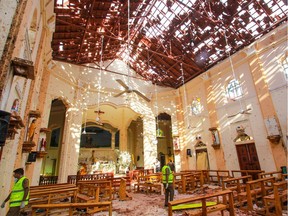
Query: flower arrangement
(124, 159)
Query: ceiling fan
(130, 90)
(246, 111)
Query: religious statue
(31, 130)
(43, 145)
(92, 158)
(15, 107)
(241, 135)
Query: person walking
(167, 180)
(19, 195)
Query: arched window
(234, 89)
(96, 137)
(285, 66)
(196, 106)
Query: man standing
(19, 195)
(167, 179)
(171, 165)
(157, 165)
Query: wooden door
(247, 157)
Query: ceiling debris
(163, 33)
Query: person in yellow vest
(19, 195)
(167, 180)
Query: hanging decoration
(98, 111)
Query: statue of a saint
(31, 130)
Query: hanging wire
(232, 67)
(156, 108)
(86, 108)
(100, 79)
(85, 121)
(128, 43)
(185, 94)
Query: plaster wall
(7, 10)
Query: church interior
(109, 86)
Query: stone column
(149, 144)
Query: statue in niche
(241, 135)
(92, 158)
(43, 145)
(31, 130)
(15, 107)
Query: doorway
(247, 157)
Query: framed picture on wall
(55, 137)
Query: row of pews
(83, 194)
(240, 188)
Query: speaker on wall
(189, 152)
(4, 125)
(32, 157)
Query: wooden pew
(255, 189)
(253, 173)
(116, 181)
(276, 199)
(204, 210)
(88, 193)
(72, 207)
(73, 179)
(187, 181)
(51, 187)
(106, 190)
(123, 194)
(277, 174)
(217, 176)
(236, 185)
(149, 183)
(52, 196)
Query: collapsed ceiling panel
(168, 38)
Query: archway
(56, 123)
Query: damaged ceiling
(171, 41)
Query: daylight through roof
(163, 33)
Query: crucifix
(99, 112)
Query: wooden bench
(217, 176)
(123, 194)
(236, 185)
(187, 181)
(116, 181)
(149, 183)
(204, 210)
(276, 199)
(277, 174)
(52, 196)
(255, 189)
(72, 207)
(51, 187)
(253, 173)
(106, 190)
(88, 193)
(73, 179)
